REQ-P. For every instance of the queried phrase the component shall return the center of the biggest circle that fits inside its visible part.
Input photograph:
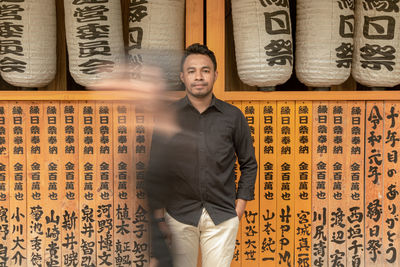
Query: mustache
(202, 84)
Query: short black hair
(197, 48)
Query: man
(191, 175)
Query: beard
(199, 94)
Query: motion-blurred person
(145, 87)
(191, 181)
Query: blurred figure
(190, 180)
(147, 87)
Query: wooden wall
(327, 188)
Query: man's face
(198, 75)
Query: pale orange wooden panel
(87, 174)
(374, 137)
(320, 183)
(141, 146)
(286, 184)
(303, 163)
(268, 182)
(36, 182)
(69, 163)
(124, 184)
(337, 172)
(103, 183)
(251, 217)
(18, 197)
(355, 182)
(53, 193)
(391, 226)
(5, 217)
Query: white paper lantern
(376, 61)
(94, 38)
(324, 41)
(28, 42)
(263, 41)
(156, 35)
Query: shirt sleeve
(156, 184)
(246, 158)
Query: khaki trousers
(217, 242)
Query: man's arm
(247, 160)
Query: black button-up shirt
(195, 167)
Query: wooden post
(215, 39)
(194, 22)
(60, 81)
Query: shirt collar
(215, 102)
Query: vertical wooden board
(60, 80)
(87, 163)
(374, 182)
(124, 186)
(18, 227)
(268, 183)
(285, 185)
(194, 22)
(5, 215)
(303, 163)
(53, 193)
(103, 184)
(215, 39)
(337, 210)
(354, 187)
(391, 226)
(250, 222)
(237, 255)
(35, 184)
(69, 161)
(140, 219)
(320, 184)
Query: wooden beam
(228, 96)
(194, 22)
(60, 81)
(215, 39)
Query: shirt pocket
(220, 142)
